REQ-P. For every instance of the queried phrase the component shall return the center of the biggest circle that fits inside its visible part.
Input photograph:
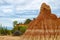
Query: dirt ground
(29, 38)
(9, 38)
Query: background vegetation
(17, 30)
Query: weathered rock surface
(45, 23)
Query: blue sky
(20, 10)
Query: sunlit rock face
(45, 23)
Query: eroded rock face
(45, 12)
(45, 9)
(45, 22)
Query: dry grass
(24, 37)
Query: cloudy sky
(20, 10)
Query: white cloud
(19, 19)
(1, 1)
(9, 21)
(7, 10)
(35, 4)
(18, 1)
(18, 5)
(32, 4)
(6, 22)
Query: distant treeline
(17, 30)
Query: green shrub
(22, 29)
(4, 31)
(17, 33)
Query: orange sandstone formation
(46, 23)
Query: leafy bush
(19, 29)
(23, 28)
(17, 33)
(4, 31)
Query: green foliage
(27, 21)
(4, 31)
(16, 30)
(9, 32)
(17, 33)
(21, 29)
(14, 23)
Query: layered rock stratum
(46, 23)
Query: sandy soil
(29, 38)
(9, 38)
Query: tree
(27, 21)
(21, 23)
(14, 23)
(3, 31)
